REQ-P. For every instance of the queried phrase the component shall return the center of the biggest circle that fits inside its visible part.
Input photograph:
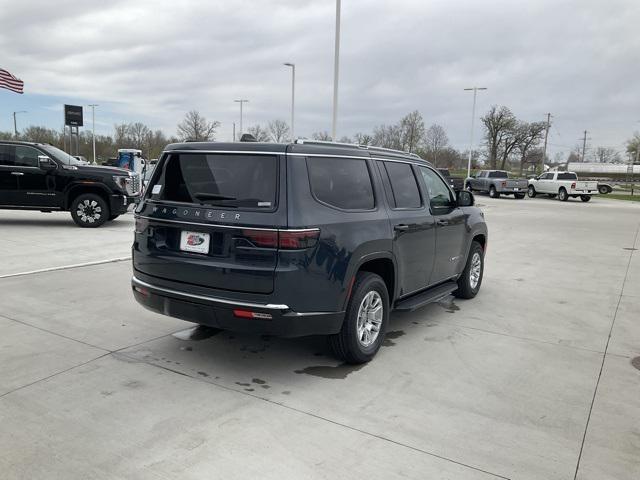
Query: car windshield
(62, 156)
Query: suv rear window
(225, 180)
(566, 176)
(341, 182)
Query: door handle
(401, 228)
(17, 173)
(443, 223)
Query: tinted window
(341, 182)
(547, 176)
(439, 193)
(225, 180)
(567, 176)
(403, 185)
(19, 156)
(498, 174)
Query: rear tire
(603, 189)
(89, 210)
(585, 198)
(563, 196)
(469, 187)
(363, 329)
(471, 278)
(493, 193)
(531, 191)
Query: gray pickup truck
(496, 183)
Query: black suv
(303, 238)
(38, 176)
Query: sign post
(73, 118)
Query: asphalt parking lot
(533, 379)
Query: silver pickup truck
(496, 183)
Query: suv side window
(439, 194)
(26, 156)
(343, 183)
(6, 155)
(404, 185)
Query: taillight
(262, 238)
(298, 239)
(573, 185)
(284, 239)
(504, 184)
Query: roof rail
(302, 141)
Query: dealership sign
(73, 115)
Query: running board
(429, 296)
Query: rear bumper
(120, 204)
(511, 190)
(218, 312)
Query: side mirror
(46, 163)
(465, 198)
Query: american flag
(10, 82)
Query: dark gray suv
(304, 238)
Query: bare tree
(607, 155)
(387, 136)
(412, 131)
(121, 133)
(196, 128)
(363, 139)
(528, 137)
(633, 146)
(278, 131)
(498, 122)
(435, 140)
(138, 135)
(324, 136)
(259, 133)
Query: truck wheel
(603, 189)
(531, 191)
(585, 198)
(365, 321)
(562, 195)
(519, 196)
(89, 210)
(493, 193)
(471, 277)
(469, 187)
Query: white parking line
(66, 267)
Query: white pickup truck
(562, 184)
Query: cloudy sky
(153, 60)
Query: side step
(429, 296)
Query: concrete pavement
(531, 380)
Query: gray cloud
(154, 60)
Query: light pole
(93, 129)
(293, 96)
(473, 119)
(241, 101)
(336, 65)
(15, 125)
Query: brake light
(573, 185)
(252, 315)
(504, 184)
(298, 239)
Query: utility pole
(584, 145)
(336, 65)
(93, 129)
(15, 125)
(473, 118)
(241, 101)
(544, 149)
(293, 96)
